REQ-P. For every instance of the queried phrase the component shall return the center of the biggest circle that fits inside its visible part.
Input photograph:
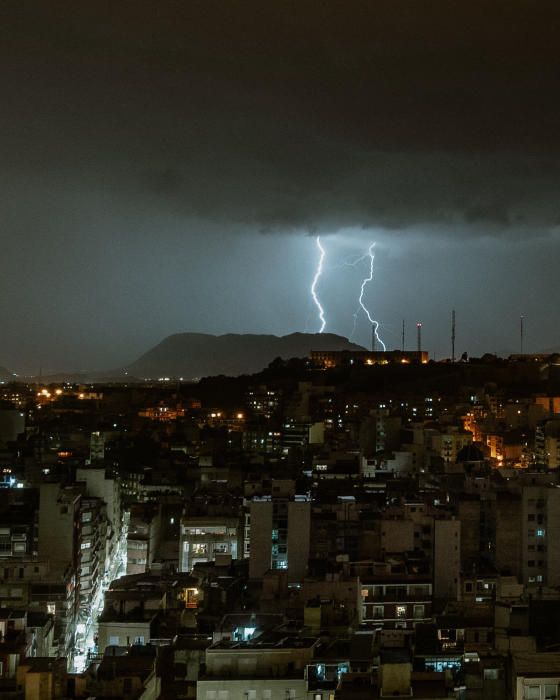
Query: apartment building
(279, 536)
(205, 537)
(540, 535)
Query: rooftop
(266, 642)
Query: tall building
(59, 517)
(143, 536)
(447, 559)
(72, 534)
(447, 442)
(99, 484)
(547, 444)
(12, 424)
(506, 544)
(18, 522)
(279, 537)
(540, 535)
(59, 510)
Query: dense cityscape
(343, 526)
(279, 350)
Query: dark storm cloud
(144, 144)
(292, 115)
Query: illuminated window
(198, 548)
(401, 611)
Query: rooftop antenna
(453, 336)
(521, 334)
(402, 341)
(419, 336)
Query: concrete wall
(56, 525)
(127, 633)
(299, 534)
(508, 534)
(397, 535)
(252, 660)
(252, 689)
(261, 543)
(447, 559)
(469, 515)
(12, 424)
(553, 537)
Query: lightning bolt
(318, 274)
(353, 262)
(374, 323)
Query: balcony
(398, 594)
(209, 538)
(323, 676)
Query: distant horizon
(46, 371)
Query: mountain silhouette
(192, 355)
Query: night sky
(165, 167)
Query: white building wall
(101, 487)
(123, 633)
(202, 539)
(252, 689)
(523, 685)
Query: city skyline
(279, 358)
(339, 291)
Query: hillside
(192, 355)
